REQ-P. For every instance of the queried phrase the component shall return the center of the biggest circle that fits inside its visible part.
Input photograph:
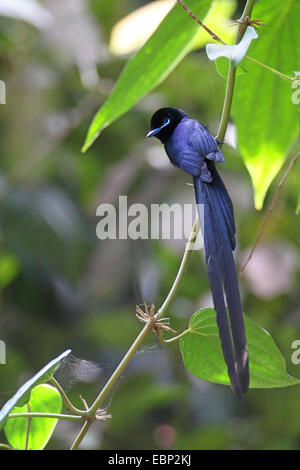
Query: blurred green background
(61, 287)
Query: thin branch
(106, 390)
(66, 400)
(227, 104)
(276, 72)
(182, 269)
(232, 74)
(175, 338)
(269, 211)
(28, 424)
(248, 10)
(128, 356)
(191, 14)
(31, 414)
(82, 433)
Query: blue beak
(157, 130)
(153, 132)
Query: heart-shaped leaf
(202, 354)
(34, 433)
(22, 396)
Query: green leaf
(132, 31)
(36, 431)
(177, 35)
(202, 354)
(22, 396)
(263, 111)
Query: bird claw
(219, 142)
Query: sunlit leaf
(131, 32)
(22, 396)
(177, 35)
(35, 434)
(265, 116)
(202, 353)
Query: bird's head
(164, 121)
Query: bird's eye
(166, 120)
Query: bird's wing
(202, 141)
(195, 166)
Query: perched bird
(190, 146)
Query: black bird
(190, 146)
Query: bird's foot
(219, 141)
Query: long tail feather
(219, 241)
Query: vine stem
(128, 356)
(66, 400)
(82, 433)
(276, 72)
(191, 14)
(176, 338)
(113, 379)
(28, 424)
(187, 253)
(232, 74)
(182, 269)
(31, 414)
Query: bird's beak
(156, 131)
